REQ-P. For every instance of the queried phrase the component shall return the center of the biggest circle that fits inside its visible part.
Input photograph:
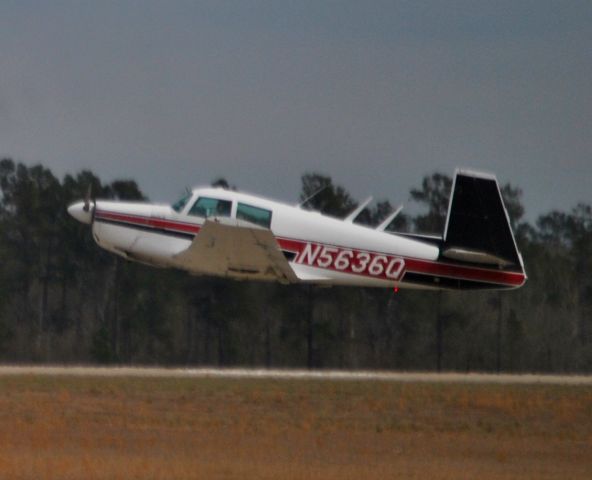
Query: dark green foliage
(100, 349)
(433, 194)
(63, 299)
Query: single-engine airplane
(213, 231)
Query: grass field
(71, 427)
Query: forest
(65, 300)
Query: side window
(211, 207)
(256, 215)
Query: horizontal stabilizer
(473, 256)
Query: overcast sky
(375, 94)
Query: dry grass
(183, 428)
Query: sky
(375, 94)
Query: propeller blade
(87, 197)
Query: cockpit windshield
(180, 204)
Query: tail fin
(477, 226)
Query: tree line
(65, 300)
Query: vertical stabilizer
(477, 226)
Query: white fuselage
(320, 249)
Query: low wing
(238, 251)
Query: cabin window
(211, 207)
(180, 204)
(259, 216)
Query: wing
(237, 251)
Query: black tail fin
(478, 227)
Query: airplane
(225, 233)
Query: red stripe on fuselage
(153, 222)
(414, 265)
(466, 273)
(428, 267)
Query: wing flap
(238, 251)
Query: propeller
(87, 198)
(83, 211)
(310, 197)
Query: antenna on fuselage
(388, 220)
(354, 214)
(310, 197)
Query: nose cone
(77, 211)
